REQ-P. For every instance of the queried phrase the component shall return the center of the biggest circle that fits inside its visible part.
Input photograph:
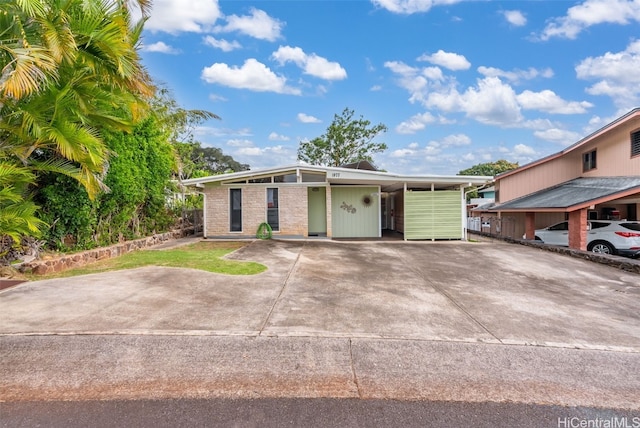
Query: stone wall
(60, 263)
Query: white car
(603, 236)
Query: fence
(192, 218)
(502, 227)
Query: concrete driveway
(367, 319)
(472, 292)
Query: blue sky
(456, 82)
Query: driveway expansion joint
(284, 285)
(353, 370)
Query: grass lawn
(205, 256)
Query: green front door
(317, 197)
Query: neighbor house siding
(614, 159)
(433, 215)
(537, 178)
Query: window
(286, 178)
(589, 161)
(260, 180)
(273, 217)
(308, 177)
(635, 143)
(560, 226)
(235, 204)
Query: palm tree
(68, 68)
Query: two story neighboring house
(596, 178)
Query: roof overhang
(388, 182)
(576, 194)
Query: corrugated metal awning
(574, 194)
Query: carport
(580, 200)
(419, 207)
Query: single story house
(353, 201)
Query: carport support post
(578, 229)
(530, 225)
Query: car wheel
(601, 247)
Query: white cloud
(408, 7)
(490, 102)
(433, 148)
(455, 140)
(415, 123)
(517, 75)
(311, 64)
(617, 75)
(452, 61)
(222, 132)
(216, 98)
(253, 75)
(559, 136)
(258, 25)
(221, 44)
(160, 47)
(401, 153)
(278, 137)
(240, 143)
(592, 12)
(523, 150)
(305, 118)
(515, 17)
(375, 88)
(418, 123)
(547, 101)
(171, 16)
(246, 151)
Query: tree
(346, 140)
(490, 168)
(67, 70)
(192, 159)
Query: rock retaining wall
(57, 264)
(624, 263)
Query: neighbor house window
(273, 217)
(635, 143)
(589, 161)
(235, 205)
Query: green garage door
(433, 215)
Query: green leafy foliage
(490, 168)
(69, 70)
(346, 140)
(138, 177)
(17, 211)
